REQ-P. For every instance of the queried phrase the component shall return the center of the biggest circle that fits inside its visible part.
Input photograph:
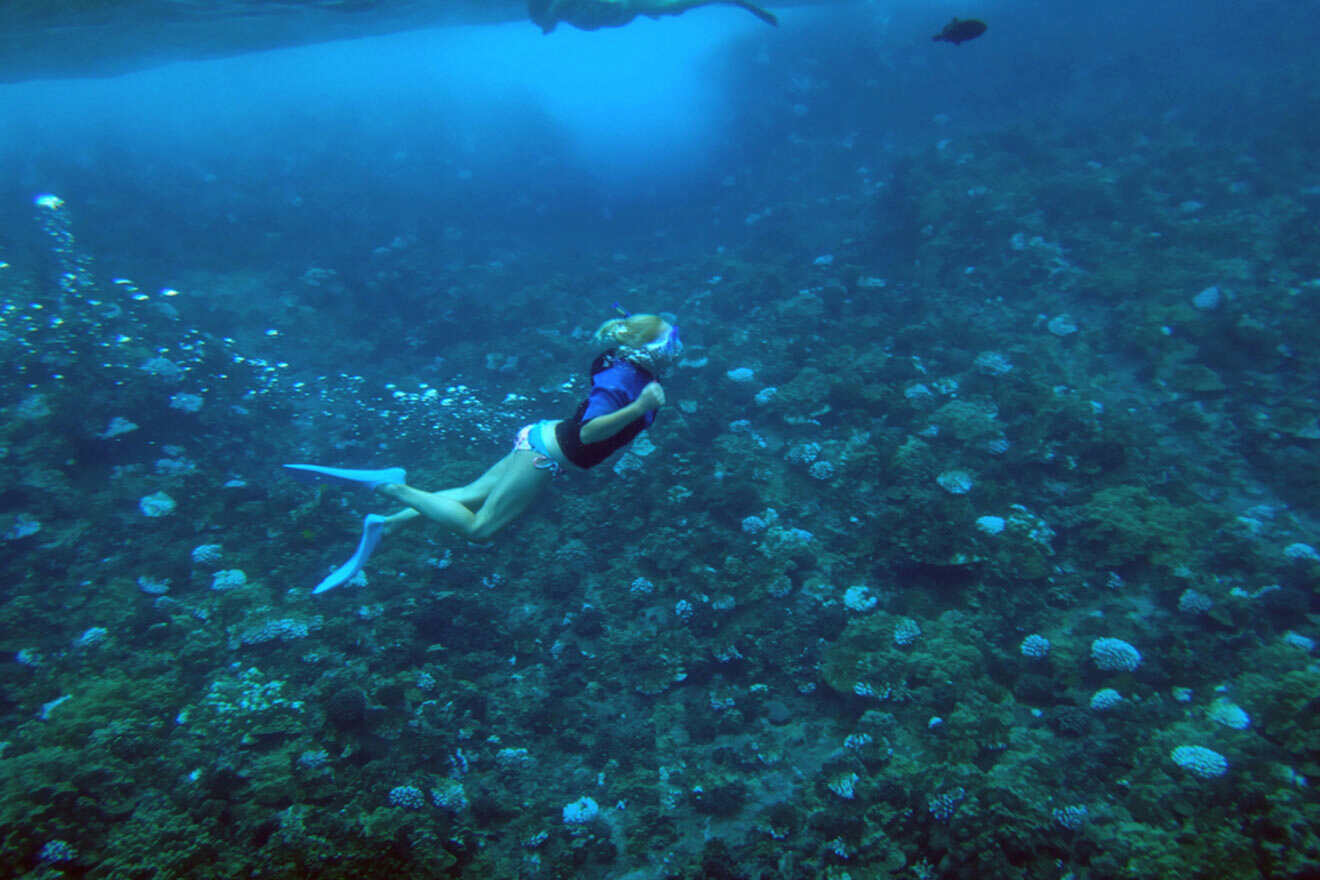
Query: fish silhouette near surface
(961, 30)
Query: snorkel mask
(657, 354)
(667, 348)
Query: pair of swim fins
(373, 527)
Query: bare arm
(606, 426)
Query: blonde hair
(633, 331)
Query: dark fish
(961, 30)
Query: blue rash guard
(615, 383)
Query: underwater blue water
(976, 536)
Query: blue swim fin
(373, 527)
(371, 479)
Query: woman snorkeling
(624, 398)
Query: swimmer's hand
(652, 397)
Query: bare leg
(678, 7)
(499, 495)
(470, 496)
(446, 511)
(764, 14)
(519, 485)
